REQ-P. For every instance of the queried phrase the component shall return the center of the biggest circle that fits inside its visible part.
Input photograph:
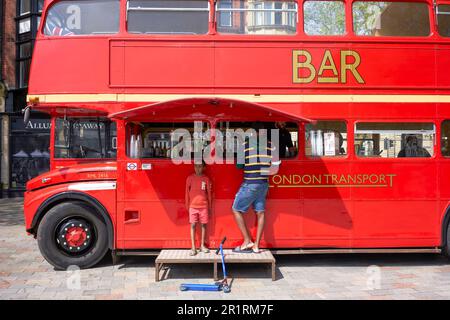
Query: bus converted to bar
(363, 87)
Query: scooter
(221, 285)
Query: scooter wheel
(183, 288)
(226, 289)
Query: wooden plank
(184, 257)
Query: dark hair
(203, 164)
(258, 125)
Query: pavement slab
(24, 274)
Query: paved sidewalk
(24, 274)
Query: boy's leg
(203, 246)
(193, 235)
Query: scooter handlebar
(221, 244)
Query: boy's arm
(209, 187)
(186, 195)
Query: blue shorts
(251, 194)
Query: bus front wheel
(72, 234)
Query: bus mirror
(26, 114)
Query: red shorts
(196, 215)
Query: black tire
(446, 248)
(52, 251)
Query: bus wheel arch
(74, 197)
(445, 232)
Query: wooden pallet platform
(183, 257)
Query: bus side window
(149, 140)
(394, 140)
(445, 138)
(383, 18)
(326, 139)
(82, 138)
(324, 18)
(233, 133)
(90, 17)
(257, 17)
(443, 16)
(168, 17)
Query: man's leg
(259, 232)
(243, 228)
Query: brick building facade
(23, 146)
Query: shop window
(234, 134)
(30, 154)
(85, 138)
(257, 17)
(69, 18)
(168, 17)
(445, 138)
(402, 19)
(169, 140)
(443, 17)
(326, 139)
(324, 18)
(394, 140)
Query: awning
(213, 107)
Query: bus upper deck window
(402, 19)
(326, 139)
(443, 16)
(168, 17)
(257, 17)
(324, 18)
(89, 17)
(394, 140)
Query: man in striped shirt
(258, 164)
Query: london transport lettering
(304, 70)
(332, 180)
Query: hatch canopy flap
(207, 107)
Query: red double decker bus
(362, 87)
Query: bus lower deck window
(85, 138)
(234, 133)
(326, 139)
(443, 17)
(167, 140)
(445, 138)
(257, 17)
(394, 140)
(402, 19)
(89, 17)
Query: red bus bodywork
(174, 78)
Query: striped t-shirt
(257, 162)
